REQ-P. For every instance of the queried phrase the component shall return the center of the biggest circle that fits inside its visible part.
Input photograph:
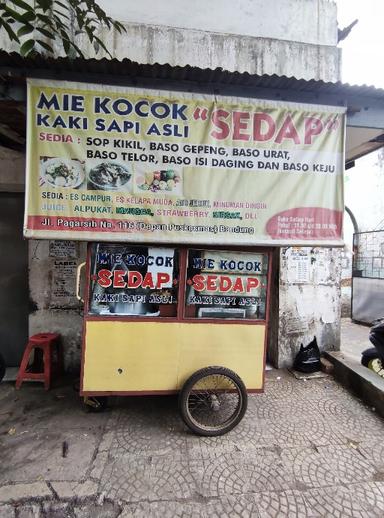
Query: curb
(360, 380)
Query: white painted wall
(305, 21)
(283, 37)
(255, 55)
(309, 307)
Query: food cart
(181, 197)
(160, 320)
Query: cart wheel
(95, 404)
(213, 401)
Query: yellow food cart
(161, 320)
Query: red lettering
(288, 131)
(53, 137)
(263, 127)
(225, 283)
(313, 126)
(239, 124)
(198, 282)
(238, 285)
(217, 116)
(211, 283)
(134, 279)
(118, 279)
(162, 278)
(148, 281)
(252, 282)
(104, 279)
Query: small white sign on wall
(299, 265)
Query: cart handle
(78, 276)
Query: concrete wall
(255, 55)
(284, 37)
(12, 170)
(310, 300)
(54, 306)
(306, 21)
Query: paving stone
(146, 435)
(106, 441)
(86, 489)
(16, 492)
(75, 489)
(40, 454)
(248, 437)
(327, 466)
(343, 404)
(374, 453)
(363, 427)
(111, 420)
(163, 509)
(57, 510)
(29, 511)
(7, 511)
(338, 502)
(132, 479)
(279, 389)
(302, 449)
(372, 493)
(99, 464)
(238, 474)
(227, 507)
(107, 510)
(285, 504)
(305, 432)
(271, 408)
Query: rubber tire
(183, 399)
(2, 368)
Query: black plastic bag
(308, 358)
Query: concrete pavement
(304, 448)
(354, 339)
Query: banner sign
(109, 163)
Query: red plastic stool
(47, 343)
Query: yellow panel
(237, 347)
(150, 356)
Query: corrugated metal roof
(15, 65)
(365, 103)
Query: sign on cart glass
(116, 163)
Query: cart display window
(130, 280)
(226, 285)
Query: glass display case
(148, 281)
